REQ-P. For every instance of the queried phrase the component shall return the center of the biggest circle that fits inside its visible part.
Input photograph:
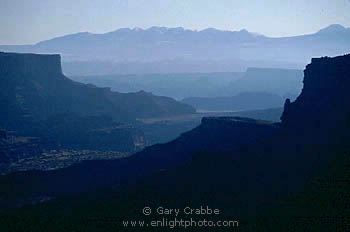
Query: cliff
(34, 87)
(14, 64)
(37, 100)
(323, 105)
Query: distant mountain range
(161, 49)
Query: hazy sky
(30, 21)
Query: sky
(31, 21)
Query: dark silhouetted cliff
(324, 102)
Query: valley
(52, 160)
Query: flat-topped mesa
(15, 64)
(325, 99)
(35, 87)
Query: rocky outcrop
(37, 100)
(324, 103)
(13, 64)
(33, 86)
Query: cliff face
(33, 86)
(13, 64)
(324, 104)
(37, 100)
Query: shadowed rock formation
(34, 86)
(324, 101)
(322, 111)
(37, 100)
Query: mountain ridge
(328, 29)
(129, 45)
(333, 28)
